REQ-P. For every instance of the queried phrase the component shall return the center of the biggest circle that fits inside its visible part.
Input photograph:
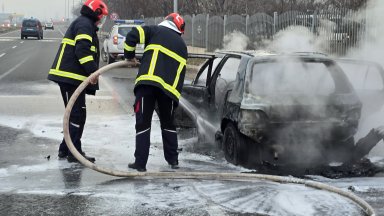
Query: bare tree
(129, 9)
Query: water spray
(368, 210)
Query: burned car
(258, 107)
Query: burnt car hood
(301, 107)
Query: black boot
(137, 167)
(174, 165)
(62, 154)
(72, 159)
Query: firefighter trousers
(146, 99)
(76, 119)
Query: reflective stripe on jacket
(164, 60)
(78, 54)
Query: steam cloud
(235, 41)
(372, 49)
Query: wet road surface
(34, 182)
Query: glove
(134, 62)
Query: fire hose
(368, 210)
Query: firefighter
(77, 58)
(159, 81)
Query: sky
(41, 9)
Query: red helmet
(178, 20)
(98, 6)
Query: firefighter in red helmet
(159, 81)
(78, 57)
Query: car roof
(30, 19)
(126, 25)
(265, 54)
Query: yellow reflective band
(68, 41)
(176, 82)
(161, 81)
(61, 56)
(86, 59)
(83, 36)
(141, 33)
(93, 48)
(67, 74)
(129, 48)
(153, 62)
(167, 52)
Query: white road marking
(48, 40)
(22, 42)
(13, 69)
(1, 55)
(14, 47)
(5, 39)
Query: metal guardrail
(341, 29)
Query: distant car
(31, 28)
(48, 25)
(295, 108)
(113, 46)
(6, 24)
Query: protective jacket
(78, 55)
(164, 60)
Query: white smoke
(371, 48)
(296, 39)
(235, 41)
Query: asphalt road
(26, 60)
(34, 182)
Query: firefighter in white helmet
(159, 81)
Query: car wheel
(104, 56)
(110, 59)
(234, 145)
(22, 37)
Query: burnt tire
(234, 145)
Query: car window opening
(292, 77)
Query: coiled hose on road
(190, 175)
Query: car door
(223, 76)
(367, 78)
(195, 92)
